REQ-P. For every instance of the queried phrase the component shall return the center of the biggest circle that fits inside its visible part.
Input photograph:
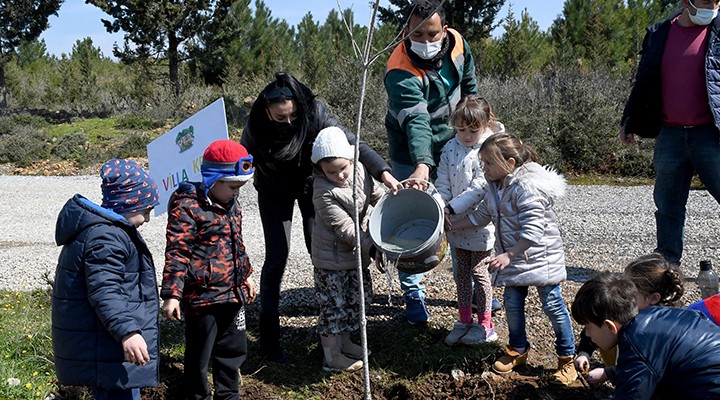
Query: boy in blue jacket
(663, 352)
(105, 300)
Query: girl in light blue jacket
(519, 201)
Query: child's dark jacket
(105, 288)
(668, 353)
(205, 259)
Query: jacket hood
(78, 214)
(539, 180)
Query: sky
(77, 20)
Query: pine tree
(474, 19)
(158, 29)
(21, 21)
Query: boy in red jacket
(207, 271)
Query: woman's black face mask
(284, 128)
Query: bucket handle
(428, 188)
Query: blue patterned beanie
(127, 187)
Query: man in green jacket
(426, 77)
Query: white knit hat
(331, 142)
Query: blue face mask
(703, 16)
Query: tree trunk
(173, 62)
(3, 89)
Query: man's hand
(389, 180)
(252, 291)
(171, 309)
(135, 349)
(626, 138)
(418, 178)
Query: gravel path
(603, 228)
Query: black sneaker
(275, 356)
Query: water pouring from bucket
(408, 228)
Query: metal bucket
(408, 227)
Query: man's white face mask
(703, 16)
(426, 51)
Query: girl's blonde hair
(652, 273)
(501, 147)
(473, 112)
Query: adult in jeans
(283, 124)
(426, 77)
(676, 99)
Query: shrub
(133, 144)
(637, 161)
(10, 122)
(24, 146)
(137, 122)
(71, 146)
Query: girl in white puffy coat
(462, 185)
(519, 201)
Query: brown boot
(566, 373)
(510, 360)
(333, 359)
(350, 349)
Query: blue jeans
(553, 306)
(116, 394)
(679, 154)
(408, 282)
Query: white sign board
(176, 156)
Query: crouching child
(663, 352)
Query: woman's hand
(171, 309)
(390, 181)
(252, 291)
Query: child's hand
(596, 376)
(252, 292)
(135, 349)
(171, 309)
(448, 223)
(499, 263)
(582, 362)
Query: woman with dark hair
(283, 124)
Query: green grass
(97, 129)
(26, 346)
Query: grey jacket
(524, 210)
(333, 235)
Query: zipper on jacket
(497, 227)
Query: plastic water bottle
(707, 280)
